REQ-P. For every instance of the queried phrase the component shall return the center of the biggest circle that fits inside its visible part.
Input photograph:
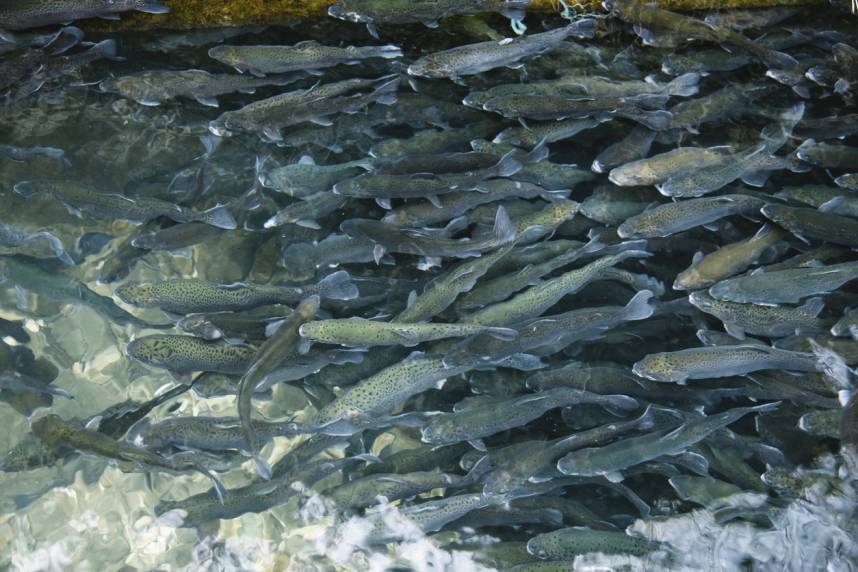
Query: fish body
(770, 321)
(550, 333)
(372, 12)
(390, 238)
(534, 301)
(392, 385)
(619, 455)
(187, 354)
(784, 286)
(568, 543)
(21, 14)
(814, 224)
(663, 166)
(729, 260)
(268, 116)
(79, 198)
(510, 52)
(671, 218)
(305, 178)
(13, 237)
(365, 491)
(481, 421)
(721, 361)
(212, 433)
(191, 296)
(303, 56)
(360, 332)
(155, 87)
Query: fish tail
(504, 229)
(638, 308)
(106, 49)
(218, 216)
(684, 85)
(56, 246)
(338, 286)
(508, 165)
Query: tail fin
(338, 286)
(63, 40)
(106, 49)
(56, 246)
(638, 308)
(504, 229)
(218, 216)
(508, 165)
(655, 120)
(684, 85)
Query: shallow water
(86, 511)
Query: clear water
(86, 512)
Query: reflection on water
(300, 298)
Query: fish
(721, 361)
(728, 169)
(567, 543)
(376, 394)
(157, 86)
(769, 321)
(176, 237)
(187, 354)
(729, 260)
(82, 198)
(18, 382)
(390, 238)
(501, 287)
(283, 344)
(29, 276)
(428, 141)
(534, 301)
(256, 497)
(308, 211)
(745, 19)
(268, 116)
(641, 108)
(307, 56)
(634, 146)
(827, 155)
(549, 334)
(474, 423)
(25, 154)
(365, 491)
(833, 199)
(384, 186)
(456, 204)
(184, 296)
(550, 132)
(809, 224)
(360, 332)
(661, 167)
(55, 431)
(374, 12)
(516, 465)
(671, 218)
(650, 19)
(848, 181)
(210, 433)
(305, 178)
(787, 286)
(14, 237)
(477, 58)
(20, 14)
(613, 458)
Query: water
(785, 493)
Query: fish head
(154, 350)
(226, 55)
(430, 67)
(536, 548)
(702, 301)
(137, 294)
(51, 429)
(436, 432)
(654, 366)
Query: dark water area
(337, 296)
